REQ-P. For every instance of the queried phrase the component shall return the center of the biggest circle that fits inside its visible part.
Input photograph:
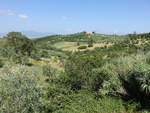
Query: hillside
(77, 73)
(83, 37)
(73, 41)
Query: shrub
(132, 106)
(19, 92)
(148, 57)
(85, 102)
(82, 47)
(56, 98)
(78, 70)
(1, 63)
(134, 73)
(49, 72)
(106, 80)
(90, 45)
(78, 43)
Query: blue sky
(69, 16)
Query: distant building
(89, 33)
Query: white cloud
(65, 18)
(12, 13)
(22, 16)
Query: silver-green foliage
(135, 68)
(110, 83)
(19, 92)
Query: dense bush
(82, 47)
(90, 45)
(56, 98)
(8, 52)
(1, 63)
(50, 72)
(106, 80)
(134, 74)
(79, 67)
(19, 92)
(148, 57)
(90, 42)
(85, 102)
(78, 43)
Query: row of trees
(139, 36)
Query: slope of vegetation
(105, 73)
(75, 41)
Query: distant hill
(32, 34)
(81, 37)
(2, 34)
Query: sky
(71, 16)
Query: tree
(18, 47)
(19, 91)
(21, 43)
(90, 42)
(78, 43)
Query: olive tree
(19, 92)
